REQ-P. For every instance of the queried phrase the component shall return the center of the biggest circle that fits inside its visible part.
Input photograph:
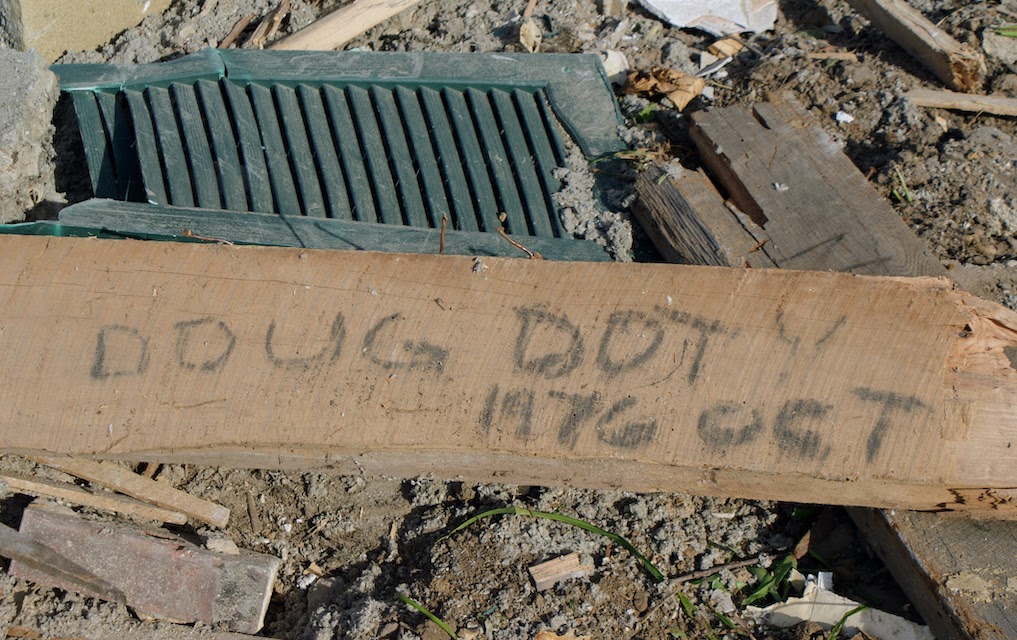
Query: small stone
(641, 601)
(222, 545)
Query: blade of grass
(435, 619)
(835, 631)
(1010, 31)
(557, 517)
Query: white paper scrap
(827, 608)
(719, 17)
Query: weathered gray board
(828, 202)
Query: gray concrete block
(29, 91)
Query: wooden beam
(110, 502)
(996, 105)
(958, 66)
(344, 24)
(814, 387)
(921, 550)
(137, 486)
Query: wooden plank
(783, 171)
(111, 502)
(138, 220)
(158, 493)
(996, 105)
(740, 382)
(688, 223)
(342, 25)
(921, 550)
(958, 66)
(181, 582)
(952, 569)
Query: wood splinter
(547, 574)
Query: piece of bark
(547, 574)
(996, 105)
(159, 574)
(339, 27)
(740, 382)
(137, 486)
(958, 66)
(112, 502)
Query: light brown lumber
(959, 67)
(996, 105)
(73, 495)
(137, 486)
(816, 387)
(344, 24)
(922, 550)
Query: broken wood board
(959, 67)
(778, 166)
(688, 222)
(342, 25)
(816, 387)
(159, 573)
(955, 571)
(547, 574)
(996, 105)
(137, 486)
(110, 502)
(945, 609)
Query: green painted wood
(575, 83)
(561, 150)
(252, 154)
(298, 148)
(366, 126)
(199, 153)
(129, 219)
(475, 161)
(130, 184)
(536, 136)
(177, 173)
(325, 157)
(423, 152)
(463, 215)
(206, 64)
(414, 212)
(497, 162)
(148, 156)
(98, 148)
(522, 164)
(279, 174)
(224, 145)
(351, 155)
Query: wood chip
(726, 47)
(547, 574)
(996, 105)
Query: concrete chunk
(161, 574)
(29, 91)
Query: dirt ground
(352, 545)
